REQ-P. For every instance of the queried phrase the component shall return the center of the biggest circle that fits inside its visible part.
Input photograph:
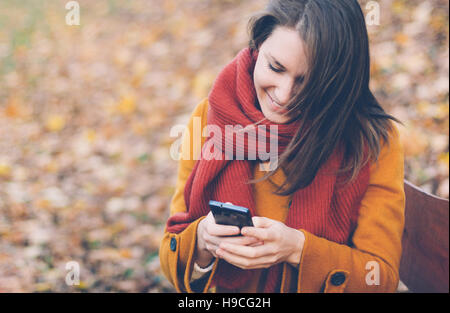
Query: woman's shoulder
(198, 116)
(201, 109)
(391, 150)
(394, 142)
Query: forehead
(285, 46)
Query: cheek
(256, 75)
(261, 80)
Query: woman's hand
(210, 235)
(280, 244)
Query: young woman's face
(279, 70)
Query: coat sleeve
(371, 264)
(177, 251)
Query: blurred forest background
(86, 112)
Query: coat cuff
(313, 278)
(199, 272)
(187, 242)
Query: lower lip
(275, 107)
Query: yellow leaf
(41, 287)
(127, 105)
(81, 285)
(140, 68)
(443, 157)
(125, 253)
(136, 81)
(5, 170)
(443, 110)
(401, 38)
(438, 22)
(423, 107)
(55, 123)
(116, 228)
(90, 135)
(43, 203)
(14, 107)
(12, 111)
(398, 7)
(52, 167)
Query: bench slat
(424, 265)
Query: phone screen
(229, 214)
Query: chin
(274, 117)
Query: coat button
(173, 244)
(338, 278)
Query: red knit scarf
(322, 208)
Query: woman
(330, 217)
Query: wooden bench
(424, 264)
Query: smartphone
(229, 214)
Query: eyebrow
(281, 65)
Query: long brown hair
(334, 103)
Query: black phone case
(229, 214)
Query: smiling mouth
(275, 106)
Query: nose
(283, 92)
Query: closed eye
(276, 70)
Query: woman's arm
(178, 251)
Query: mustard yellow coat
(325, 266)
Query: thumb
(262, 222)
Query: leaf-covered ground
(86, 112)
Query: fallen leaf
(55, 123)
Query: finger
(222, 230)
(258, 243)
(233, 259)
(211, 240)
(241, 240)
(262, 234)
(261, 221)
(242, 262)
(238, 240)
(245, 251)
